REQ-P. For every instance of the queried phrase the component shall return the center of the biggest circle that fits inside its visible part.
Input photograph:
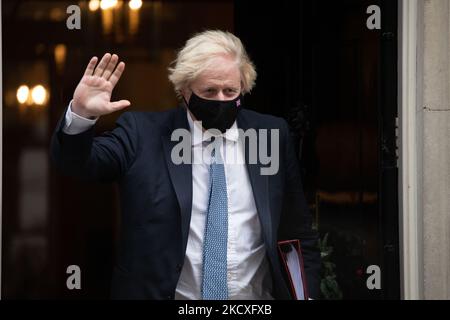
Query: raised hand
(92, 96)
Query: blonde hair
(195, 57)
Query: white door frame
(410, 164)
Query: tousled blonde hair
(197, 53)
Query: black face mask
(214, 114)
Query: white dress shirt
(247, 266)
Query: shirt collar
(198, 136)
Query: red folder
(292, 259)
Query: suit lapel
(180, 175)
(259, 183)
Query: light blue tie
(214, 282)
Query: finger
(110, 67)
(117, 73)
(119, 105)
(102, 65)
(90, 67)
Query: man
(201, 230)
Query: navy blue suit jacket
(156, 198)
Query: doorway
(335, 80)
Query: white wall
(435, 108)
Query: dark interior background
(318, 66)
(335, 81)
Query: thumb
(118, 105)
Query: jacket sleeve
(296, 219)
(104, 158)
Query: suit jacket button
(170, 297)
(179, 267)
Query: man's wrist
(79, 111)
(75, 123)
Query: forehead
(222, 71)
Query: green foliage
(329, 287)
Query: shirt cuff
(75, 123)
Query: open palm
(92, 97)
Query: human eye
(209, 91)
(231, 91)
